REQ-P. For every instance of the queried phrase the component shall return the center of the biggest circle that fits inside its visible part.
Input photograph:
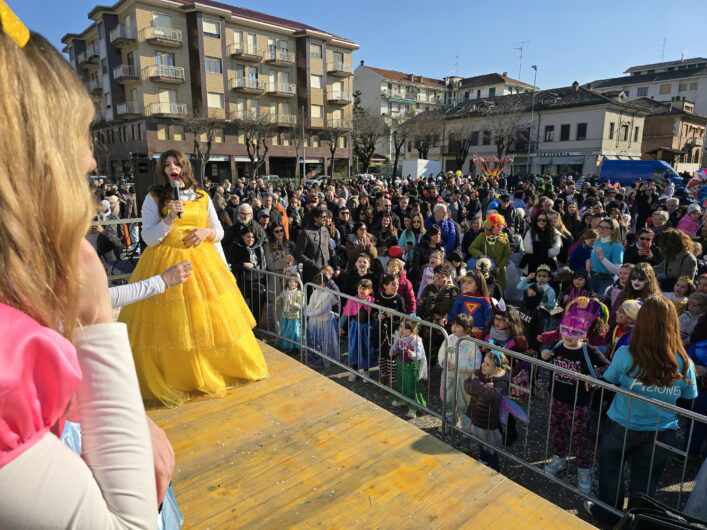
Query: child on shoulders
(541, 277)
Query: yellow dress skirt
(196, 337)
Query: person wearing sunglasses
(542, 243)
(606, 258)
(643, 249)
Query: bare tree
(461, 138)
(257, 130)
(400, 131)
(297, 137)
(506, 119)
(366, 130)
(333, 134)
(202, 128)
(426, 129)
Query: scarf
(499, 336)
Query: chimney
(588, 86)
(575, 87)
(361, 62)
(505, 74)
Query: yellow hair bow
(12, 25)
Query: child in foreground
(386, 324)
(410, 366)
(289, 308)
(570, 398)
(486, 388)
(473, 300)
(357, 318)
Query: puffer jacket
(485, 402)
(408, 294)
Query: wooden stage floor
(299, 450)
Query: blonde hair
(45, 202)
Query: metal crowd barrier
(129, 257)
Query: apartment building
(673, 133)
(572, 130)
(151, 64)
(482, 86)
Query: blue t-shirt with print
(614, 252)
(639, 415)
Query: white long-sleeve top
(319, 308)
(469, 359)
(112, 484)
(155, 229)
(130, 293)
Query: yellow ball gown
(197, 336)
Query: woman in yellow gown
(196, 337)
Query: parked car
(365, 176)
(318, 180)
(270, 177)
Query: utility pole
(662, 53)
(532, 109)
(304, 149)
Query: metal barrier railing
(130, 256)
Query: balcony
(249, 115)
(246, 85)
(283, 90)
(162, 73)
(280, 58)
(162, 36)
(337, 124)
(245, 52)
(89, 57)
(122, 36)
(166, 109)
(94, 87)
(283, 119)
(339, 69)
(338, 97)
(216, 113)
(126, 73)
(129, 110)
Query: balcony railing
(338, 124)
(339, 68)
(284, 119)
(247, 84)
(163, 72)
(339, 96)
(94, 87)
(162, 35)
(121, 35)
(246, 115)
(129, 108)
(91, 54)
(282, 89)
(126, 72)
(245, 52)
(174, 109)
(284, 57)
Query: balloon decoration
(492, 166)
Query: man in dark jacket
(508, 212)
(312, 248)
(244, 220)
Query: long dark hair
(546, 235)
(163, 189)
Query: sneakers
(588, 506)
(411, 414)
(584, 479)
(398, 403)
(352, 377)
(556, 465)
(364, 375)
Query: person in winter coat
(676, 247)
(396, 267)
(493, 243)
(691, 221)
(450, 238)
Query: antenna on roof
(684, 53)
(520, 46)
(456, 66)
(662, 53)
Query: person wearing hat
(691, 221)
(264, 219)
(506, 209)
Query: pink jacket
(688, 225)
(406, 291)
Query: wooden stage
(299, 450)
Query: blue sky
(567, 40)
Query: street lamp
(532, 109)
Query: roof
(666, 64)
(647, 78)
(394, 75)
(663, 108)
(551, 99)
(238, 12)
(491, 79)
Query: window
(104, 66)
(107, 100)
(612, 126)
(130, 58)
(635, 134)
(218, 136)
(162, 132)
(666, 89)
(624, 133)
(549, 133)
(316, 81)
(160, 20)
(315, 140)
(213, 65)
(164, 58)
(486, 140)
(315, 51)
(642, 91)
(478, 94)
(693, 85)
(177, 132)
(466, 95)
(581, 131)
(474, 139)
(316, 111)
(212, 28)
(214, 100)
(682, 87)
(492, 92)
(564, 132)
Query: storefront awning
(568, 160)
(544, 160)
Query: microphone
(175, 194)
